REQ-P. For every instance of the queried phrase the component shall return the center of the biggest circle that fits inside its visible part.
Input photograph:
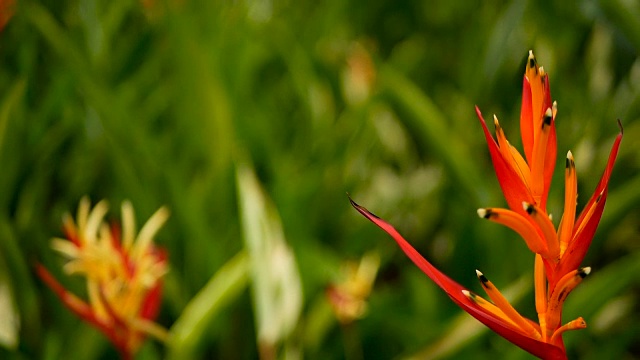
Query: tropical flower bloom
(123, 275)
(348, 298)
(525, 182)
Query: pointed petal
(535, 74)
(589, 219)
(520, 224)
(449, 286)
(511, 155)
(514, 189)
(549, 163)
(151, 303)
(604, 180)
(75, 304)
(546, 92)
(526, 120)
(454, 290)
(521, 166)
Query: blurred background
(252, 120)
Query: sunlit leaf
(277, 291)
(9, 316)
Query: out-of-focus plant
(189, 330)
(123, 273)
(348, 296)
(276, 288)
(7, 8)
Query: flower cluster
(525, 182)
(123, 273)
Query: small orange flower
(525, 185)
(124, 276)
(348, 298)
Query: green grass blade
(223, 288)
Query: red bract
(457, 293)
(558, 253)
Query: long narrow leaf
(223, 288)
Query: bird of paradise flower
(525, 183)
(124, 276)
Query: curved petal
(552, 145)
(549, 163)
(526, 120)
(604, 180)
(537, 348)
(72, 302)
(514, 189)
(454, 290)
(585, 226)
(151, 304)
(546, 94)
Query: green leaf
(430, 125)
(9, 316)
(14, 94)
(277, 291)
(223, 288)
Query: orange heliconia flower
(525, 182)
(123, 275)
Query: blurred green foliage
(160, 101)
